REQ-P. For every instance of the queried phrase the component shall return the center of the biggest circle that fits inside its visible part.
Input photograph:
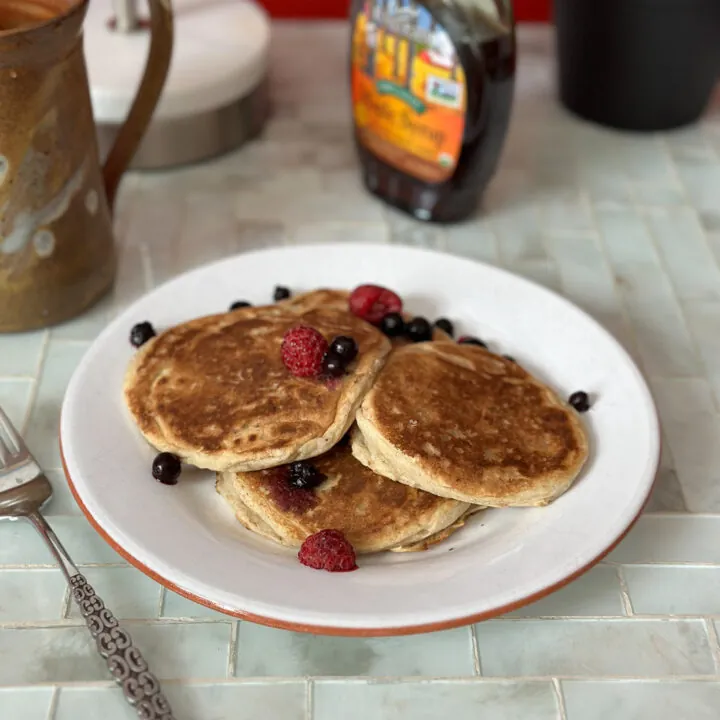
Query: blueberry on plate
(166, 468)
(141, 333)
(281, 293)
(303, 475)
(580, 401)
(345, 348)
(418, 330)
(393, 324)
(446, 326)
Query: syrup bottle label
(408, 89)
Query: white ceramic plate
(185, 536)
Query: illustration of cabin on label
(400, 42)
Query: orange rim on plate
(346, 632)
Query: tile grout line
(705, 235)
(691, 207)
(232, 648)
(72, 341)
(700, 359)
(67, 598)
(559, 699)
(146, 260)
(54, 699)
(707, 137)
(375, 680)
(495, 244)
(477, 667)
(43, 353)
(634, 352)
(287, 239)
(161, 602)
(183, 680)
(72, 622)
(676, 174)
(714, 643)
(545, 237)
(34, 388)
(547, 249)
(624, 592)
(309, 699)
(76, 622)
(441, 240)
(46, 468)
(127, 200)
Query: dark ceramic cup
(638, 64)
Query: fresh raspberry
(303, 349)
(328, 550)
(373, 303)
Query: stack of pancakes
(411, 441)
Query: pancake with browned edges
(215, 392)
(461, 422)
(374, 513)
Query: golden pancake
(374, 513)
(461, 422)
(215, 392)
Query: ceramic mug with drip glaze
(56, 244)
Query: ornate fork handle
(124, 661)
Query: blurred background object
(216, 96)
(57, 249)
(638, 64)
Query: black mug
(638, 64)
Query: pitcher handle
(156, 70)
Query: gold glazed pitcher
(56, 244)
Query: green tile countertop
(626, 226)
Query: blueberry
(580, 401)
(446, 326)
(141, 333)
(345, 348)
(510, 358)
(393, 324)
(281, 293)
(333, 365)
(166, 468)
(304, 476)
(467, 340)
(418, 330)
(240, 304)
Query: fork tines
(10, 443)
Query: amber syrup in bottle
(432, 91)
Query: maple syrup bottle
(432, 90)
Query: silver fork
(23, 490)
